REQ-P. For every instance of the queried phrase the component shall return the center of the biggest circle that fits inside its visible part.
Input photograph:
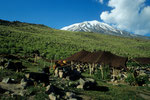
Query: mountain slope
(97, 27)
(24, 39)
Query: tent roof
(77, 56)
(142, 60)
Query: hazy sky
(129, 15)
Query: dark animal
(38, 77)
(46, 70)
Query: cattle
(46, 70)
(38, 77)
(15, 66)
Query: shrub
(142, 79)
(11, 74)
(130, 79)
(98, 75)
(106, 73)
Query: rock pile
(67, 72)
(87, 84)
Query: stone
(87, 84)
(81, 81)
(90, 80)
(56, 72)
(149, 79)
(58, 97)
(73, 84)
(52, 96)
(79, 70)
(147, 72)
(6, 80)
(112, 80)
(72, 99)
(68, 78)
(80, 87)
(148, 85)
(21, 93)
(142, 71)
(70, 95)
(23, 83)
(49, 89)
(61, 74)
(142, 74)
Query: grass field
(24, 39)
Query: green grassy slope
(24, 38)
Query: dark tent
(119, 62)
(92, 57)
(142, 60)
(77, 56)
(112, 60)
(100, 57)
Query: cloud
(101, 1)
(129, 15)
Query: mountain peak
(93, 21)
(95, 26)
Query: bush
(130, 79)
(98, 75)
(142, 79)
(106, 73)
(11, 74)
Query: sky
(128, 15)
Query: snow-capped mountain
(97, 27)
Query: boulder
(26, 82)
(61, 74)
(81, 81)
(52, 96)
(7, 80)
(80, 86)
(49, 89)
(73, 84)
(67, 77)
(23, 83)
(87, 83)
(56, 72)
(70, 95)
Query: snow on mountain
(97, 27)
